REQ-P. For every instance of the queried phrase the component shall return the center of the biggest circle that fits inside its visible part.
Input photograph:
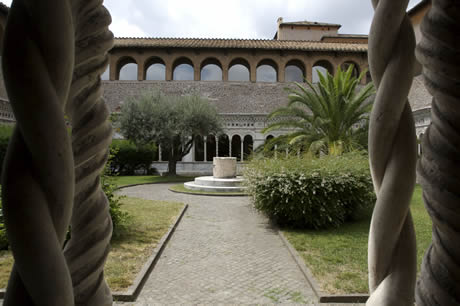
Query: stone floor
(223, 252)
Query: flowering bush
(310, 192)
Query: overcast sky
(231, 18)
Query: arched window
(236, 147)
(321, 66)
(211, 70)
(127, 69)
(347, 64)
(239, 70)
(210, 147)
(266, 71)
(155, 69)
(183, 70)
(248, 145)
(294, 71)
(199, 148)
(224, 146)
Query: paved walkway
(223, 252)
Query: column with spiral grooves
(88, 248)
(439, 168)
(38, 177)
(392, 151)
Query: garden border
(131, 294)
(323, 298)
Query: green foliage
(127, 157)
(306, 192)
(169, 121)
(6, 130)
(119, 217)
(329, 117)
(3, 237)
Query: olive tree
(172, 122)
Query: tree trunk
(172, 165)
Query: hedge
(308, 192)
(127, 158)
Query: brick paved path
(223, 252)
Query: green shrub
(309, 192)
(127, 158)
(6, 130)
(119, 217)
(3, 237)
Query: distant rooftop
(311, 23)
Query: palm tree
(329, 117)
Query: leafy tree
(329, 117)
(169, 121)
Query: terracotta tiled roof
(268, 44)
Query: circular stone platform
(212, 184)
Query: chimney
(280, 21)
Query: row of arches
(211, 69)
(207, 147)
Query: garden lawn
(338, 257)
(148, 222)
(149, 179)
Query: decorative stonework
(51, 179)
(392, 151)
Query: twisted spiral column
(392, 150)
(38, 177)
(439, 168)
(88, 248)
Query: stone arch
(248, 146)
(126, 68)
(322, 66)
(183, 69)
(294, 71)
(210, 147)
(267, 71)
(155, 69)
(236, 147)
(356, 68)
(211, 70)
(239, 70)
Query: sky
(253, 19)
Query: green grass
(338, 257)
(148, 222)
(182, 189)
(149, 179)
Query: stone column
(309, 71)
(276, 151)
(168, 71)
(159, 153)
(196, 72)
(242, 149)
(280, 74)
(252, 73)
(113, 67)
(229, 146)
(205, 139)
(140, 69)
(217, 146)
(225, 73)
